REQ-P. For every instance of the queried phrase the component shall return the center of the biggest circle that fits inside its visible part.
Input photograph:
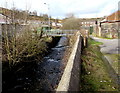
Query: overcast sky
(59, 8)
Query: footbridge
(59, 32)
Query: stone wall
(70, 80)
(109, 30)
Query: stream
(50, 70)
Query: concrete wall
(70, 80)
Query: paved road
(110, 46)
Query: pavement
(110, 46)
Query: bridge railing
(60, 32)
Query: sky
(60, 8)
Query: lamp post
(48, 14)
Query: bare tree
(20, 43)
(10, 34)
(71, 24)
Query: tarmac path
(110, 46)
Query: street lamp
(48, 14)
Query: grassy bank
(94, 76)
(113, 59)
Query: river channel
(44, 77)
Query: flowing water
(50, 70)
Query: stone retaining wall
(70, 80)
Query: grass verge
(114, 59)
(94, 76)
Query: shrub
(21, 46)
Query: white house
(3, 19)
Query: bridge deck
(60, 32)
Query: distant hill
(20, 14)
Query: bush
(22, 46)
